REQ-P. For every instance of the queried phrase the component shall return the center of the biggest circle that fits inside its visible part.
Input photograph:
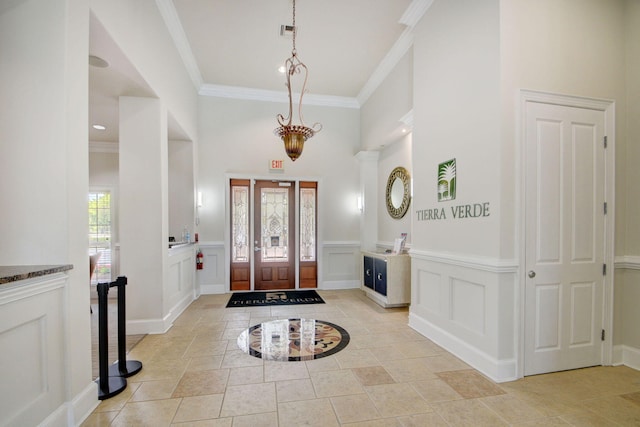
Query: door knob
(532, 274)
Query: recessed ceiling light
(99, 127)
(96, 61)
(281, 69)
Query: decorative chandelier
(293, 135)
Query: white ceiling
(235, 45)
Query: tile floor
(388, 375)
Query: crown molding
(371, 155)
(252, 94)
(410, 18)
(414, 12)
(407, 119)
(388, 63)
(103, 147)
(172, 21)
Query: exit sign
(276, 165)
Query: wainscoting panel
(467, 306)
(179, 290)
(627, 316)
(211, 279)
(340, 265)
(32, 360)
(429, 295)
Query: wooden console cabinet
(386, 278)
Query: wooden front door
(274, 235)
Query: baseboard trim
(631, 357)
(340, 284)
(147, 326)
(85, 403)
(73, 413)
(213, 289)
(159, 326)
(498, 370)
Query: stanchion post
(107, 386)
(123, 367)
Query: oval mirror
(398, 192)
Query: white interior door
(565, 237)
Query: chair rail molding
(628, 262)
(492, 265)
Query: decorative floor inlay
(291, 340)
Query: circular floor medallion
(291, 340)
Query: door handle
(257, 249)
(531, 274)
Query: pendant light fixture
(294, 135)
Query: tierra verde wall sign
(446, 185)
(475, 210)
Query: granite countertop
(13, 273)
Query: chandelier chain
(291, 134)
(295, 30)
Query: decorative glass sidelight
(240, 223)
(307, 224)
(275, 224)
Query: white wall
(144, 211)
(463, 292)
(456, 115)
(381, 131)
(181, 189)
(472, 59)
(43, 166)
(141, 34)
(236, 139)
(33, 119)
(392, 156)
(392, 100)
(139, 31)
(548, 47)
(628, 277)
(631, 196)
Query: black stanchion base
(116, 385)
(132, 367)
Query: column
(143, 208)
(369, 193)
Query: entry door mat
(293, 340)
(274, 298)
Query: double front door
(273, 234)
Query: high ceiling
(237, 45)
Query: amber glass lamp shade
(294, 137)
(293, 145)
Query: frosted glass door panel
(275, 224)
